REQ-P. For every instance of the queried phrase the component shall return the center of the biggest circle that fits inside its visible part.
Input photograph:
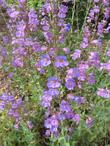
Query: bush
(54, 65)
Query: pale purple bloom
(66, 50)
(96, 1)
(105, 93)
(78, 99)
(62, 11)
(12, 13)
(94, 59)
(21, 1)
(91, 79)
(47, 7)
(108, 52)
(76, 54)
(46, 100)
(73, 73)
(2, 105)
(65, 106)
(107, 30)
(53, 92)
(4, 52)
(18, 62)
(52, 124)
(107, 12)
(33, 20)
(105, 66)
(45, 60)
(97, 42)
(96, 9)
(76, 118)
(100, 28)
(39, 68)
(21, 26)
(5, 39)
(61, 61)
(105, 2)
(53, 82)
(70, 84)
(48, 36)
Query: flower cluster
(11, 105)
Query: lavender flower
(45, 60)
(53, 82)
(61, 61)
(72, 73)
(65, 106)
(76, 54)
(46, 100)
(108, 52)
(70, 84)
(105, 93)
(2, 105)
(52, 124)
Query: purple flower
(78, 99)
(106, 2)
(13, 13)
(72, 73)
(46, 100)
(76, 118)
(96, 9)
(47, 7)
(19, 51)
(105, 66)
(62, 11)
(76, 54)
(94, 59)
(2, 105)
(105, 93)
(21, 26)
(96, 1)
(4, 52)
(100, 28)
(108, 52)
(18, 62)
(69, 115)
(5, 97)
(45, 60)
(33, 20)
(67, 27)
(5, 39)
(53, 82)
(52, 124)
(53, 92)
(48, 36)
(21, 1)
(70, 84)
(61, 61)
(65, 106)
(66, 50)
(97, 42)
(91, 79)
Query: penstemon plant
(60, 82)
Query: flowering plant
(59, 81)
